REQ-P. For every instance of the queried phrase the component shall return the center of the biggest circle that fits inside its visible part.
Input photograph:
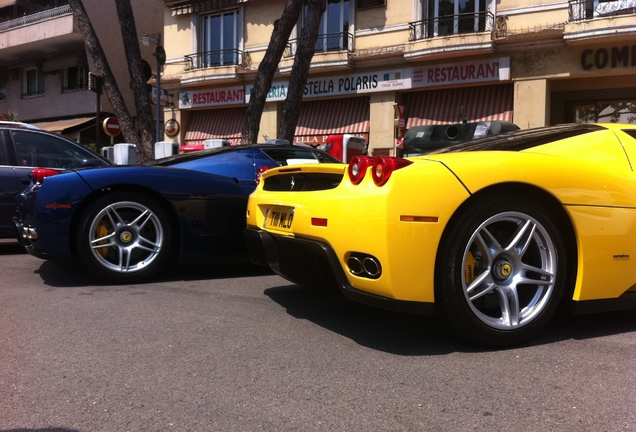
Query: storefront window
(606, 112)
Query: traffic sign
(111, 126)
(163, 98)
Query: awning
(5, 3)
(474, 104)
(225, 123)
(180, 7)
(330, 117)
(60, 126)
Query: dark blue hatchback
(24, 147)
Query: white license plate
(279, 218)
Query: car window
(630, 132)
(294, 155)
(40, 150)
(235, 163)
(521, 139)
(3, 151)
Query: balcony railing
(208, 59)
(36, 17)
(32, 94)
(325, 43)
(581, 10)
(463, 23)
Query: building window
(33, 84)
(75, 78)
(588, 9)
(3, 91)
(362, 4)
(333, 34)
(220, 40)
(447, 17)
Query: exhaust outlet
(364, 265)
(355, 265)
(371, 267)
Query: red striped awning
(485, 103)
(338, 116)
(225, 123)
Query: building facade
(44, 65)
(383, 66)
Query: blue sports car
(127, 223)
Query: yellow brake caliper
(102, 231)
(469, 269)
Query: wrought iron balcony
(581, 10)
(463, 23)
(208, 59)
(325, 43)
(36, 17)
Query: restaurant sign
(212, 98)
(497, 69)
(361, 83)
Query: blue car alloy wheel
(124, 237)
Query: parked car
(24, 147)
(127, 223)
(420, 140)
(493, 235)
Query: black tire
(124, 237)
(501, 271)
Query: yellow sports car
(493, 235)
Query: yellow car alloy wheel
(501, 271)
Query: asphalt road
(230, 348)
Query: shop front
(459, 105)
(212, 114)
(601, 87)
(339, 105)
(321, 119)
(475, 91)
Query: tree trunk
(109, 83)
(267, 68)
(144, 134)
(300, 69)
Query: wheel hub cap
(126, 237)
(502, 270)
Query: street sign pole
(95, 85)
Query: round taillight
(259, 173)
(384, 166)
(358, 168)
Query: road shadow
(378, 329)
(214, 271)
(11, 247)
(405, 334)
(70, 274)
